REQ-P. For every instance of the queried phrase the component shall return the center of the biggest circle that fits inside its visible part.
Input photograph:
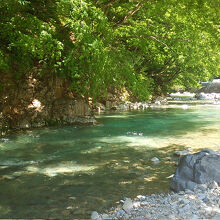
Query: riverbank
(35, 102)
(196, 183)
(202, 203)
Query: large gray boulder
(199, 168)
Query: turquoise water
(70, 171)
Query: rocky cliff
(38, 101)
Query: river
(68, 172)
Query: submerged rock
(155, 160)
(198, 168)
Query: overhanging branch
(130, 14)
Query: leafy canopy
(146, 47)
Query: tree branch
(130, 14)
(156, 39)
(149, 36)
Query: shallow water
(70, 171)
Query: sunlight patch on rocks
(36, 104)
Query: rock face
(198, 168)
(38, 101)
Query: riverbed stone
(128, 205)
(213, 185)
(95, 215)
(155, 160)
(105, 216)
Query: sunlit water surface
(70, 171)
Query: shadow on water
(59, 190)
(69, 172)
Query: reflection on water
(70, 171)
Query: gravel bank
(202, 203)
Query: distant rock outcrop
(211, 87)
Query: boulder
(193, 169)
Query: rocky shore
(201, 203)
(196, 183)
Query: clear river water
(68, 172)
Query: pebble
(105, 216)
(181, 193)
(140, 197)
(201, 196)
(70, 207)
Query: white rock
(180, 153)
(70, 207)
(181, 193)
(105, 216)
(155, 160)
(95, 215)
(140, 197)
(136, 204)
(128, 205)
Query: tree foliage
(144, 46)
